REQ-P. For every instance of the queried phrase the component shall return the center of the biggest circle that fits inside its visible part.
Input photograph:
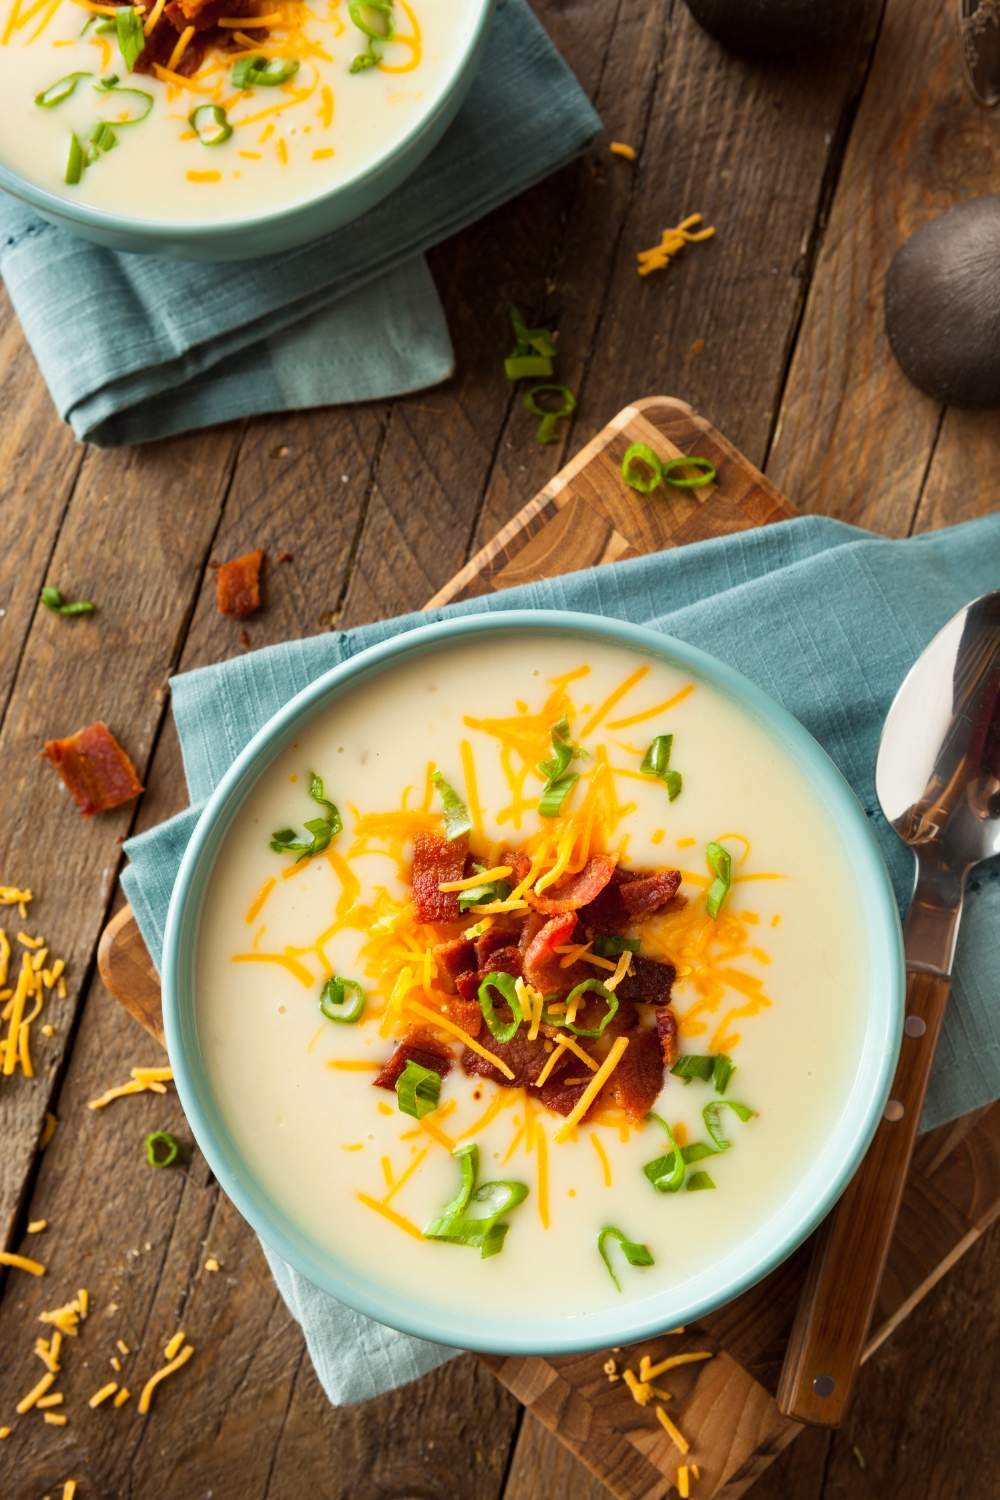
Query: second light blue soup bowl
(751, 1259)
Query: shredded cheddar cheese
(142, 1079)
(619, 148)
(21, 1263)
(683, 1485)
(650, 1372)
(154, 1380)
(174, 1344)
(669, 1428)
(593, 1088)
(28, 1401)
(122, 1396)
(671, 242)
(69, 1489)
(44, 1402)
(55, 1419)
(103, 1393)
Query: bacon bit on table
(284, 557)
(671, 242)
(94, 768)
(237, 585)
(244, 639)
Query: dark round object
(942, 306)
(763, 29)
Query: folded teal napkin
(826, 618)
(133, 347)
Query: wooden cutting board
(725, 1406)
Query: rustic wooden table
(812, 174)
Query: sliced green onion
(697, 1151)
(171, 1148)
(721, 865)
(636, 1255)
(559, 780)
(131, 40)
(287, 841)
(107, 26)
(456, 814)
(100, 140)
(691, 1065)
(491, 890)
(722, 1072)
(698, 1181)
(707, 474)
(534, 349)
(259, 71)
(210, 124)
(57, 92)
(51, 598)
(655, 763)
(641, 453)
(611, 947)
(599, 989)
(505, 985)
(710, 1114)
(372, 56)
(485, 1233)
(333, 1000)
(145, 101)
(666, 1173)
(547, 427)
(418, 1090)
(74, 166)
(105, 85)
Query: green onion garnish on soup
(636, 1255)
(418, 1090)
(505, 985)
(74, 165)
(722, 1072)
(690, 1065)
(656, 761)
(456, 814)
(588, 985)
(131, 40)
(698, 1181)
(375, 33)
(134, 99)
(612, 947)
(485, 1233)
(710, 1114)
(287, 841)
(559, 780)
(57, 92)
(666, 1173)
(210, 124)
(263, 72)
(721, 864)
(333, 1000)
(490, 890)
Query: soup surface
(292, 137)
(765, 976)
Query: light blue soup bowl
(284, 228)
(506, 1332)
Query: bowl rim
(773, 1240)
(200, 233)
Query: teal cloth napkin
(133, 347)
(826, 618)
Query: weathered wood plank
(139, 558)
(38, 467)
(542, 1468)
(855, 438)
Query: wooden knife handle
(838, 1300)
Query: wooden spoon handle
(838, 1300)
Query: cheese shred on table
(142, 1080)
(669, 1427)
(154, 1380)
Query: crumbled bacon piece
(541, 964)
(647, 982)
(636, 1082)
(595, 1008)
(488, 942)
(647, 894)
(437, 860)
(464, 1013)
(467, 985)
(606, 914)
(237, 585)
(420, 1048)
(666, 1030)
(561, 1098)
(162, 40)
(570, 892)
(503, 961)
(454, 958)
(520, 868)
(95, 769)
(525, 1060)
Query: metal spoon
(938, 781)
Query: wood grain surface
(771, 328)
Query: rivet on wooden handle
(838, 1300)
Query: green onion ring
(721, 864)
(636, 1255)
(667, 1172)
(213, 128)
(599, 989)
(57, 92)
(705, 477)
(456, 814)
(263, 72)
(505, 985)
(161, 1138)
(332, 1000)
(710, 1114)
(547, 428)
(418, 1090)
(635, 477)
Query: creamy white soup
(151, 112)
(647, 919)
